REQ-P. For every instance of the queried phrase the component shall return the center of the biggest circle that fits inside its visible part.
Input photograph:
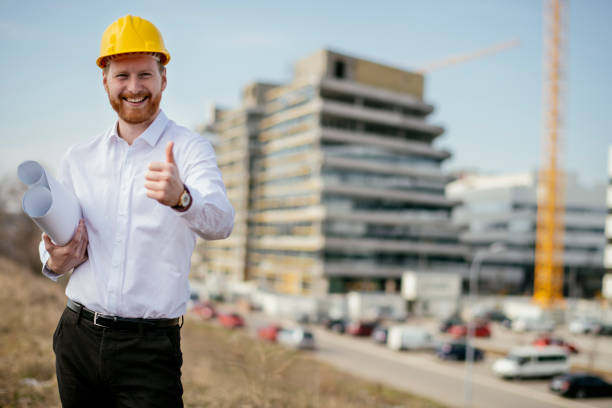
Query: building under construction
(335, 180)
(608, 251)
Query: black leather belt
(116, 322)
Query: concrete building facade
(234, 135)
(607, 263)
(336, 181)
(503, 209)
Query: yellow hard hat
(131, 34)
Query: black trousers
(100, 367)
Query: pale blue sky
(52, 94)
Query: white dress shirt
(140, 250)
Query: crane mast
(548, 273)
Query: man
(146, 187)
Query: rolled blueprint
(51, 206)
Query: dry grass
(30, 308)
(221, 368)
(235, 370)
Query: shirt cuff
(208, 218)
(50, 274)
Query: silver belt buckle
(95, 321)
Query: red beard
(136, 115)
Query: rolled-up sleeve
(211, 214)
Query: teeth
(135, 100)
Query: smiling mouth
(135, 100)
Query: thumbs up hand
(162, 180)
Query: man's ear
(104, 81)
(164, 81)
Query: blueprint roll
(51, 206)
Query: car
(404, 337)
(583, 325)
(460, 330)
(533, 324)
(530, 361)
(457, 351)
(605, 329)
(450, 321)
(379, 335)
(496, 316)
(297, 337)
(231, 320)
(547, 340)
(269, 332)
(336, 325)
(580, 385)
(499, 317)
(361, 328)
(206, 310)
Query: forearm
(211, 215)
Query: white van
(523, 362)
(409, 338)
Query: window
(520, 360)
(339, 70)
(552, 358)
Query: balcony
(424, 131)
(392, 143)
(433, 200)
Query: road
(503, 339)
(424, 374)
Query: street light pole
(480, 255)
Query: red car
(231, 320)
(361, 328)
(460, 330)
(544, 341)
(206, 310)
(269, 332)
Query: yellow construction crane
(457, 59)
(548, 273)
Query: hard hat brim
(102, 60)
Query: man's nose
(134, 85)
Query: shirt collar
(152, 134)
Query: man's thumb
(169, 154)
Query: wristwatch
(184, 201)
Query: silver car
(297, 337)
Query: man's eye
(122, 76)
(145, 75)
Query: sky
(491, 108)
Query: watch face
(185, 199)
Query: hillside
(221, 368)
